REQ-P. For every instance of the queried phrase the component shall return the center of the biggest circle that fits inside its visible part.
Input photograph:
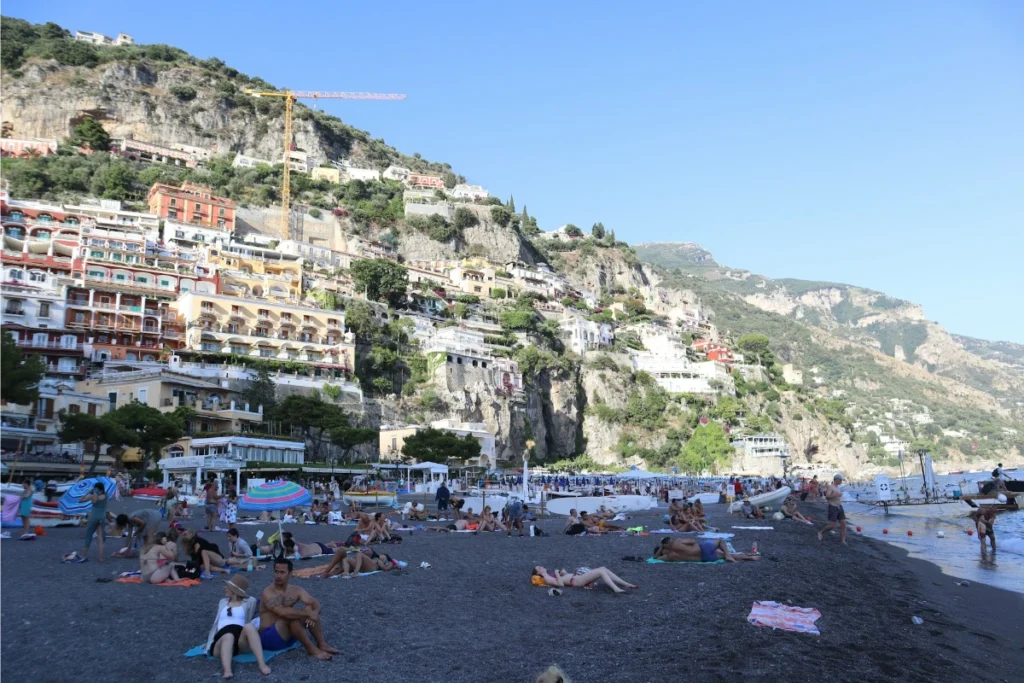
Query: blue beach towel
(651, 560)
(245, 657)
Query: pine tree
(511, 204)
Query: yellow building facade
(259, 328)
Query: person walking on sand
(836, 514)
(281, 623)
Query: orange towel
(309, 572)
(182, 583)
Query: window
(36, 276)
(221, 223)
(14, 307)
(174, 202)
(92, 409)
(165, 283)
(199, 207)
(121, 277)
(264, 313)
(221, 212)
(96, 254)
(171, 213)
(44, 309)
(142, 280)
(234, 309)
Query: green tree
(19, 380)
(511, 204)
(381, 280)
(155, 430)
(346, 437)
(501, 216)
(706, 446)
(314, 212)
(94, 433)
(185, 93)
(359, 319)
(755, 345)
(450, 180)
(261, 391)
(115, 180)
(313, 417)
(90, 133)
(464, 218)
(573, 231)
(598, 231)
(438, 445)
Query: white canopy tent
(433, 475)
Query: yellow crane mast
(289, 97)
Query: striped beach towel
(785, 617)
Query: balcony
(207, 314)
(149, 329)
(309, 325)
(14, 311)
(78, 301)
(106, 306)
(131, 308)
(65, 369)
(287, 323)
(236, 315)
(64, 346)
(264, 318)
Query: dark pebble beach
(474, 615)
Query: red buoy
(885, 531)
(909, 532)
(858, 529)
(970, 532)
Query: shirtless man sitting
(603, 513)
(692, 550)
(790, 512)
(281, 623)
(488, 522)
(675, 508)
(379, 529)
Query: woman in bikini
(156, 561)
(563, 579)
(379, 529)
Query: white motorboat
(707, 498)
(771, 500)
(561, 506)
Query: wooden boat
(561, 506)
(770, 500)
(370, 496)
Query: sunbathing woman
(488, 522)
(698, 510)
(598, 526)
(681, 525)
(457, 525)
(689, 517)
(379, 529)
(233, 631)
(362, 563)
(564, 579)
(156, 561)
(691, 550)
(293, 549)
(205, 553)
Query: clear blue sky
(874, 143)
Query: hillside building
(468, 192)
(245, 161)
(328, 173)
(102, 40)
(27, 148)
(193, 204)
(581, 335)
(791, 375)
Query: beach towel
(785, 617)
(314, 572)
(716, 534)
(756, 528)
(651, 560)
(183, 583)
(243, 658)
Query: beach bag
(190, 570)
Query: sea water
(957, 554)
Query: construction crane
(289, 97)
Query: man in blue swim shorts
(281, 623)
(692, 550)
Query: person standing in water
(836, 514)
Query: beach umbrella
(275, 495)
(69, 504)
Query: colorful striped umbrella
(69, 504)
(275, 495)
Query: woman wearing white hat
(233, 631)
